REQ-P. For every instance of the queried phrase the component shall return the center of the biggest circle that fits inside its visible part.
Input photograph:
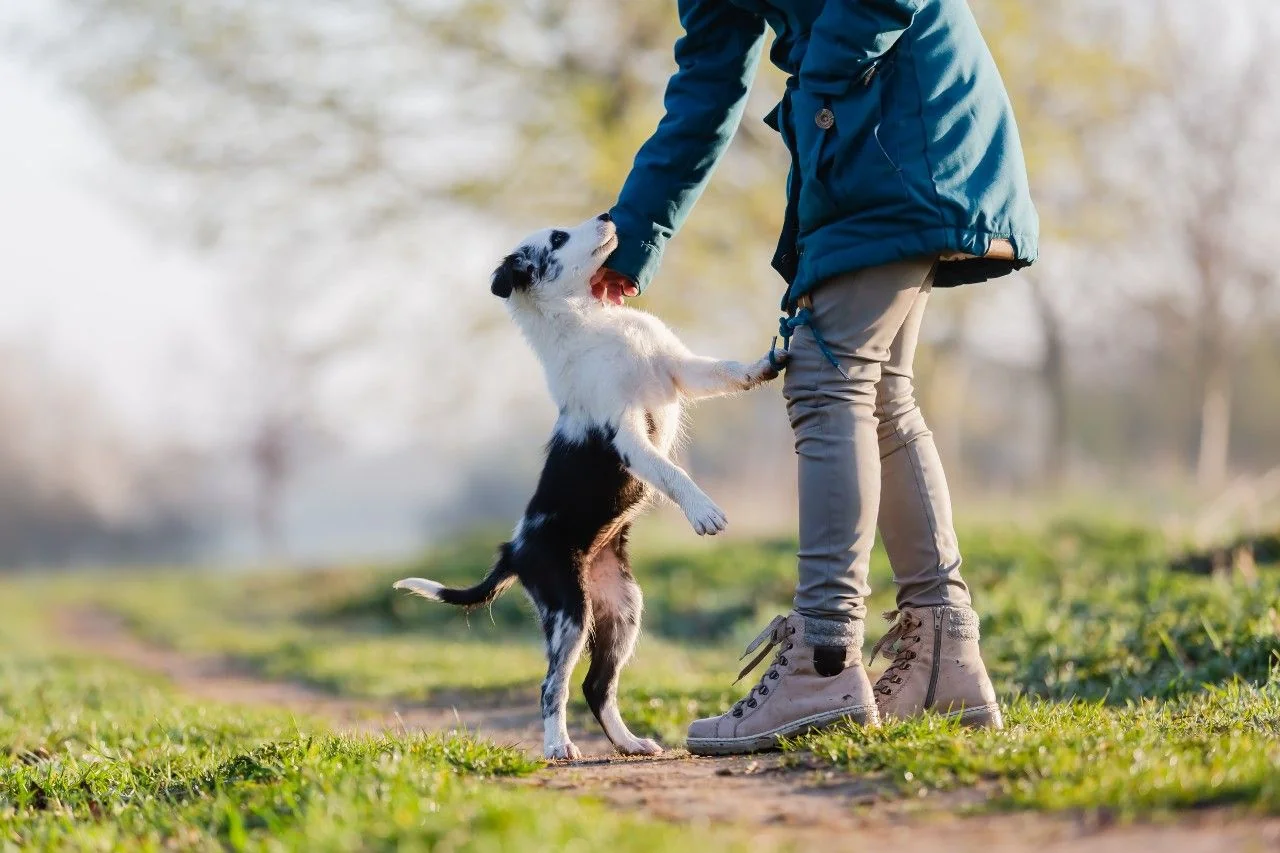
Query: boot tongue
(774, 634)
(893, 635)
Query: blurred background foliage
(354, 172)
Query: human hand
(612, 287)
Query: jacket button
(825, 119)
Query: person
(906, 174)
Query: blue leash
(787, 327)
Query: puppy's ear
(511, 274)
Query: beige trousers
(865, 454)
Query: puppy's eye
(559, 238)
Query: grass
(1217, 747)
(96, 757)
(1069, 611)
(1128, 687)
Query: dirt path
(779, 803)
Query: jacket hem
(816, 265)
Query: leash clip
(773, 356)
(787, 327)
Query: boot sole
(981, 717)
(861, 715)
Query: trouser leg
(915, 505)
(834, 420)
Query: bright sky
(83, 280)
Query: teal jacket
(902, 138)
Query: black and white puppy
(619, 377)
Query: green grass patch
(1215, 748)
(1069, 611)
(1104, 657)
(95, 757)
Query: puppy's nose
(604, 217)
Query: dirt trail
(778, 803)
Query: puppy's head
(556, 263)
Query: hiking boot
(816, 679)
(936, 667)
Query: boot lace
(778, 633)
(903, 635)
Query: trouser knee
(898, 416)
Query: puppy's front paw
(706, 518)
(769, 367)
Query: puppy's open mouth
(606, 248)
(610, 238)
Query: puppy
(619, 377)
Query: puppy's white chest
(604, 370)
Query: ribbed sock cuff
(962, 623)
(831, 632)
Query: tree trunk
(270, 468)
(1053, 382)
(1215, 424)
(947, 386)
(1215, 354)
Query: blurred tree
(1073, 92)
(326, 121)
(588, 102)
(1202, 174)
(272, 132)
(266, 130)
(292, 340)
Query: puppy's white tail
(420, 586)
(501, 576)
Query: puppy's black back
(584, 488)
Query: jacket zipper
(937, 652)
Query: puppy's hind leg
(616, 605)
(565, 635)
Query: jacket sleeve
(716, 61)
(849, 35)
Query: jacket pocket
(846, 168)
